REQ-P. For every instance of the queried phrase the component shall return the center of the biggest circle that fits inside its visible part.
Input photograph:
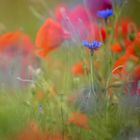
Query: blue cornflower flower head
(105, 14)
(93, 45)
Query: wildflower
(103, 34)
(79, 119)
(136, 74)
(16, 42)
(50, 36)
(31, 132)
(130, 50)
(120, 65)
(96, 5)
(136, 45)
(125, 29)
(10, 38)
(105, 14)
(116, 48)
(75, 21)
(78, 69)
(133, 48)
(17, 53)
(132, 53)
(92, 46)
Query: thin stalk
(63, 130)
(83, 55)
(62, 118)
(92, 72)
(108, 51)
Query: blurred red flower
(136, 45)
(17, 53)
(116, 48)
(78, 69)
(31, 132)
(124, 28)
(14, 41)
(136, 74)
(120, 65)
(103, 34)
(79, 119)
(50, 36)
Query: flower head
(103, 34)
(50, 36)
(78, 69)
(105, 14)
(96, 5)
(79, 119)
(75, 21)
(16, 54)
(116, 48)
(92, 46)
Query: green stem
(109, 55)
(62, 117)
(92, 73)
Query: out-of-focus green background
(17, 14)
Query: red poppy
(78, 69)
(17, 53)
(79, 119)
(130, 50)
(50, 36)
(125, 28)
(31, 132)
(120, 65)
(133, 48)
(136, 45)
(116, 48)
(103, 34)
(137, 40)
(127, 43)
(136, 74)
(134, 58)
(13, 41)
(10, 38)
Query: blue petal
(93, 45)
(105, 13)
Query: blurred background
(23, 14)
